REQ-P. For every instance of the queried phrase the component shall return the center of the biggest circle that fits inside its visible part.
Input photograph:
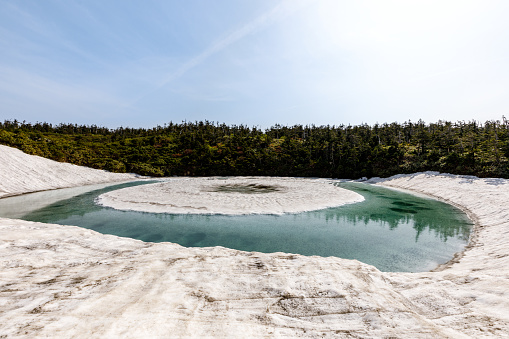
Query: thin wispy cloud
(282, 10)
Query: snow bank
(23, 173)
(470, 294)
(231, 196)
(65, 281)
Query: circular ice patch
(234, 196)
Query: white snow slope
(65, 281)
(23, 173)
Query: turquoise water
(391, 230)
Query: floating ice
(232, 196)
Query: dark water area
(391, 230)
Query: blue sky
(143, 63)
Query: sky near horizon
(257, 63)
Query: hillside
(207, 149)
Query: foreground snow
(244, 195)
(65, 281)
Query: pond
(392, 230)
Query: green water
(391, 230)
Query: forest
(212, 149)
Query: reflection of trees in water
(392, 209)
(392, 220)
(419, 221)
(459, 229)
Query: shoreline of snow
(480, 272)
(475, 229)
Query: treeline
(207, 148)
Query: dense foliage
(205, 148)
